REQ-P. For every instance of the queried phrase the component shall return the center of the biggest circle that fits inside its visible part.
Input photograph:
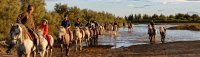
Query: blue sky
(127, 7)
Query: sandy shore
(172, 49)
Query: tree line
(10, 9)
(177, 18)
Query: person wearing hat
(44, 27)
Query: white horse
(101, 30)
(162, 33)
(21, 37)
(110, 27)
(64, 38)
(115, 28)
(87, 35)
(79, 36)
(43, 44)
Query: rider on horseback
(44, 28)
(88, 24)
(66, 24)
(78, 23)
(115, 24)
(28, 21)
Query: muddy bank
(172, 49)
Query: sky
(127, 7)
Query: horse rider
(44, 27)
(88, 24)
(124, 25)
(115, 24)
(153, 26)
(78, 23)
(27, 20)
(94, 24)
(67, 24)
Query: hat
(45, 20)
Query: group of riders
(27, 20)
(152, 32)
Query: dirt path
(173, 49)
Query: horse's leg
(161, 38)
(51, 49)
(67, 50)
(154, 38)
(19, 54)
(47, 52)
(151, 39)
(80, 44)
(76, 44)
(86, 42)
(164, 39)
(61, 48)
(33, 53)
(26, 55)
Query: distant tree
(145, 17)
(162, 17)
(131, 18)
(9, 11)
(171, 17)
(61, 9)
(126, 18)
(154, 17)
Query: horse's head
(39, 32)
(61, 31)
(15, 31)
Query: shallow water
(139, 36)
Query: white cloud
(173, 1)
(130, 5)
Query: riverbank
(171, 49)
(195, 27)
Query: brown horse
(130, 27)
(152, 33)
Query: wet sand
(172, 49)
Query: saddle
(33, 36)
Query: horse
(87, 35)
(20, 36)
(79, 34)
(115, 28)
(130, 27)
(162, 33)
(43, 44)
(94, 34)
(152, 33)
(110, 27)
(64, 39)
(101, 29)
